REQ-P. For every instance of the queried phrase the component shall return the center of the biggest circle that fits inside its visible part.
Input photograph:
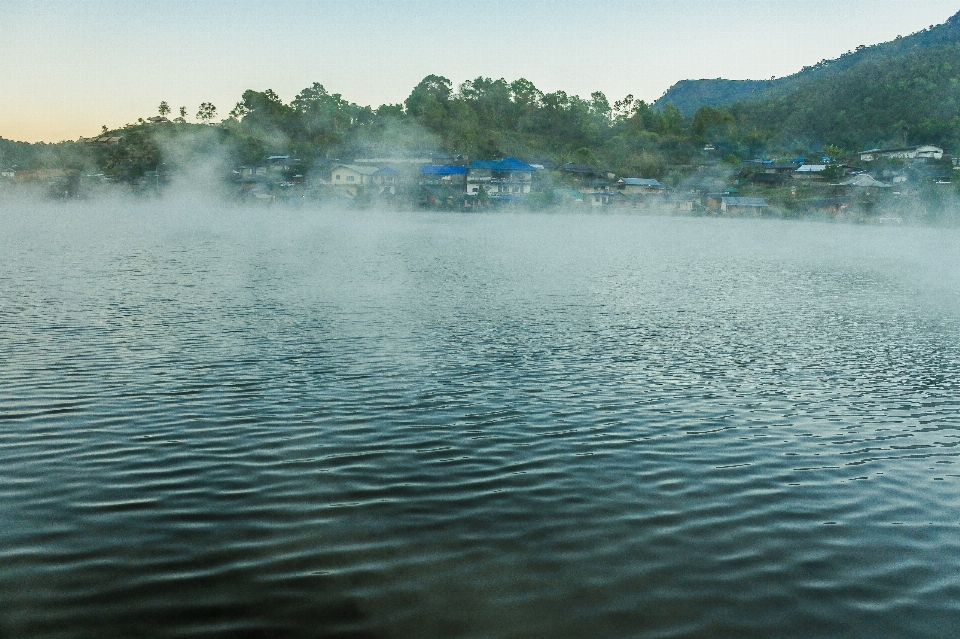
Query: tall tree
(207, 112)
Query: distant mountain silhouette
(873, 94)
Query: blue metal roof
(510, 165)
(442, 169)
(629, 181)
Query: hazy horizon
(72, 67)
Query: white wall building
(923, 152)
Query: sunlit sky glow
(69, 66)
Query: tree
(428, 101)
(207, 112)
(709, 122)
(599, 105)
(164, 108)
(833, 172)
(623, 109)
(324, 117)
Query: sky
(67, 67)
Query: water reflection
(276, 423)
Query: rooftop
(631, 181)
(442, 169)
(509, 165)
(756, 202)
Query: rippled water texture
(280, 423)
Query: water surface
(276, 423)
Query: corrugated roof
(744, 201)
(578, 168)
(509, 165)
(629, 181)
(865, 180)
(363, 170)
(811, 168)
(442, 169)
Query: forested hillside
(870, 96)
(690, 95)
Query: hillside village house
(350, 177)
(810, 172)
(500, 178)
(445, 175)
(865, 181)
(743, 205)
(923, 152)
(637, 186)
(386, 180)
(771, 173)
(598, 198)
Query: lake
(228, 422)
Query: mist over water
(297, 423)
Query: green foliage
(137, 153)
(691, 95)
(833, 172)
(207, 112)
(709, 124)
(869, 97)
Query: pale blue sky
(69, 66)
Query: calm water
(296, 424)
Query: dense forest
(879, 95)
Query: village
(871, 183)
(876, 182)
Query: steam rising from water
(282, 421)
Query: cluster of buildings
(453, 181)
(910, 160)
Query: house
(443, 175)
(386, 180)
(743, 205)
(646, 186)
(407, 166)
(10, 172)
(158, 119)
(607, 186)
(102, 139)
(598, 198)
(771, 173)
(810, 172)
(500, 178)
(580, 172)
(352, 177)
(922, 152)
(713, 200)
(865, 181)
(456, 159)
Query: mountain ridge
(690, 95)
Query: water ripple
(254, 423)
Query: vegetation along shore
(871, 135)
